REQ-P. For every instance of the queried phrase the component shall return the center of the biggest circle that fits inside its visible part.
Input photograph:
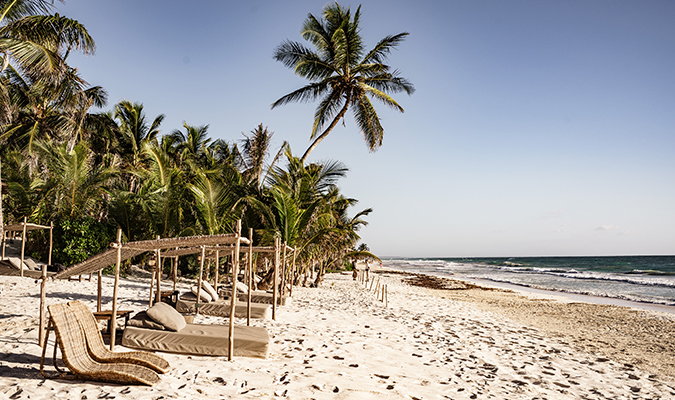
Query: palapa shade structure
(24, 227)
(124, 251)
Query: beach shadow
(21, 372)
(4, 316)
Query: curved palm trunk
(327, 131)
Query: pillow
(203, 296)
(141, 320)
(166, 315)
(242, 288)
(210, 290)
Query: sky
(537, 128)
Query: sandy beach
(340, 342)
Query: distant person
(367, 271)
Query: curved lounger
(206, 340)
(221, 308)
(99, 352)
(71, 340)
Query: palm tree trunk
(327, 131)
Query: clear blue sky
(537, 128)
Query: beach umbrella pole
(233, 300)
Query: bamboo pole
(277, 243)
(233, 301)
(199, 283)
(158, 271)
(113, 316)
(23, 243)
(249, 276)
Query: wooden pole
(152, 283)
(23, 243)
(249, 276)
(174, 271)
(99, 292)
(199, 284)
(215, 277)
(113, 317)
(386, 295)
(283, 272)
(51, 240)
(233, 301)
(290, 292)
(43, 299)
(4, 241)
(158, 269)
(277, 243)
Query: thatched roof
(132, 249)
(19, 227)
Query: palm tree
(36, 44)
(342, 74)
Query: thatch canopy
(29, 227)
(132, 249)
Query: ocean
(646, 279)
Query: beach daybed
(166, 333)
(221, 308)
(99, 352)
(70, 338)
(260, 297)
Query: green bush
(77, 240)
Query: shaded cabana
(123, 251)
(213, 252)
(24, 228)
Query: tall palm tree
(342, 74)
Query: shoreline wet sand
(637, 337)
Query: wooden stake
(199, 283)
(158, 269)
(249, 276)
(51, 236)
(277, 243)
(113, 317)
(233, 302)
(43, 311)
(283, 272)
(290, 293)
(23, 243)
(99, 292)
(215, 275)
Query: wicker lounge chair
(70, 338)
(99, 352)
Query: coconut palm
(342, 74)
(36, 44)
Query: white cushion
(167, 316)
(242, 287)
(210, 290)
(203, 295)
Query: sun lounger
(258, 297)
(221, 308)
(70, 338)
(99, 352)
(207, 340)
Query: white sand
(339, 342)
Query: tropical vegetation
(91, 172)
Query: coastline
(339, 341)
